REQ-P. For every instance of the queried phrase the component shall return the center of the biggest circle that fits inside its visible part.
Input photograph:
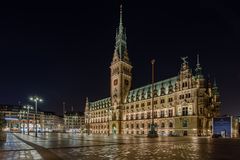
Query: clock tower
(121, 77)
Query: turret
(215, 92)
(185, 76)
(199, 76)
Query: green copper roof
(103, 103)
(146, 91)
(142, 91)
(121, 39)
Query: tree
(2, 124)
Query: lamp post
(88, 123)
(23, 121)
(20, 120)
(27, 107)
(152, 133)
(36, 100)
(109, 110)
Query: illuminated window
(148, 115)
(162, 101)
(170, 113)
(131, 117)
(142, 115)
(155, 102)
(137, 126)
(136, 116)
(155, 114)
(132, 126)
(162, 114)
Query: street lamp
(21, 116)
(20, 120)
(88, 123)
(109, 111)
(36, 100)
(22, 112)
(28, 107)
(152, 133)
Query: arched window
(162, 125)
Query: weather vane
(184, 59)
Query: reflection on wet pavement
(15, 149)
(76, 146)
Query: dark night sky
(62, 52)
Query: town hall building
(183, 105)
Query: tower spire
(120, 21)
(198, 68)
(121, 39)
(198, 64)
(215, 88)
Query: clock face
(115, 82)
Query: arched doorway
(114, 129)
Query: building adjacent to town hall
(183, 105)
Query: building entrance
(114, 129)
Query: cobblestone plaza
(77, 146)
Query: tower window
(181, 96)
(126, 82)
(201, 110)
(185, 111)
(185, 123)
(188, 95)
(115, 82)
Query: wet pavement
(76, 146)
(14, 148)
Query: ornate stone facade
(183, 105)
